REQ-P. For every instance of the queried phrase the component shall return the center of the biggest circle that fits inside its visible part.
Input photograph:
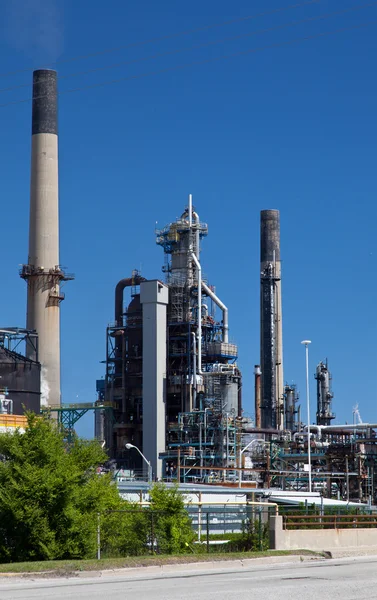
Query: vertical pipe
(98, 536)
(197, 235)
(190, 211)
(199, 317)
(308, 412)
(197, 242)
(207, 531)
(194, 376)
(257, 373)
(200, 442)
(227, 439)
(239, 396)
(240, 468)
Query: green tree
(125, 532)
(172, 526)
(50, 494)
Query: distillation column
(271, 322)
(324, 394)
(43, 273)
(291, 398)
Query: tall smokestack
(43, 273)
(271, 322)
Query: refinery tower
(171, 372)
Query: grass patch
(66, 567)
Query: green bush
(125, 533)
(50, 494)
(171, 522)
(254, 537)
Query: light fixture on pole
(128, 447)
(306, 344)
(255, 441)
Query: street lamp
(128, 447)
(255, 441)
(306, 344)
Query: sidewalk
(353, 551)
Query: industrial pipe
(121, 285)
(199, 315)
(222, 307)
(239, 396)
(199, 318)
(194, 369)
(346, 426)
(197, 234)
(258, 397)
(302, 434)
(190, 210)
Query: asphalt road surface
(346, 579)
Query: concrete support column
(277, 537)
(154, 297)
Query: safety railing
(345, 521)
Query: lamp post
(128, 447)
(306, 344)
(255, 441)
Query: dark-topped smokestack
(43, 273)
(271, 322)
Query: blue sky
(289, 126)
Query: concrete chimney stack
(43, 273)
(272, 413)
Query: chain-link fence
(200, 529)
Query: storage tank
(229, 393)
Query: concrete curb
(217, 565)
(167, 569)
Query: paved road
(343, 579)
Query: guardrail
(329, 521)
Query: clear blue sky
(291, 126)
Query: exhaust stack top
(270, 236)
(45, 102)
